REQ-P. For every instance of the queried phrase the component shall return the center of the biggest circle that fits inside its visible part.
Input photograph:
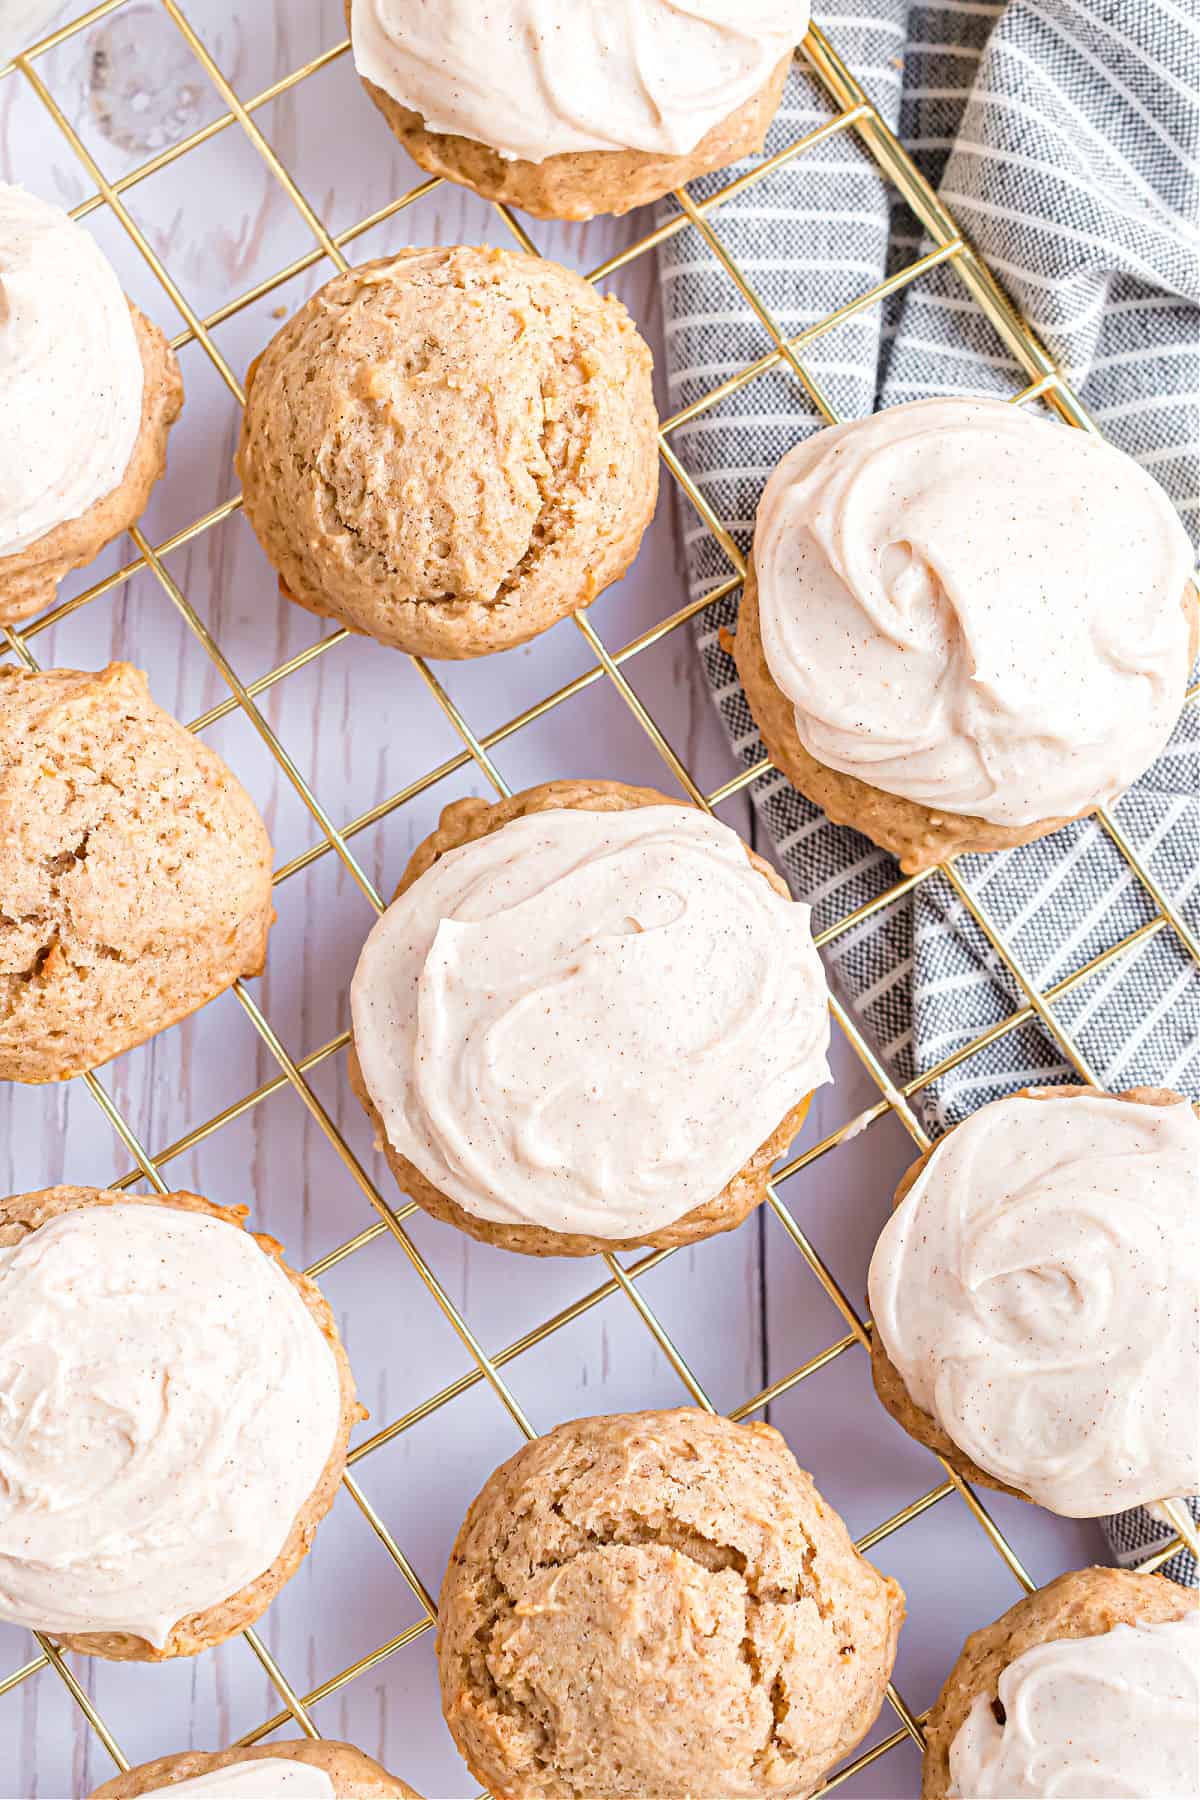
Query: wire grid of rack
(850, 111)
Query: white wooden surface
(360, 723)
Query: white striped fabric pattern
(1065, 137)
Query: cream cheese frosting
(961, 601)
(168, 1405)
(70, 371)
(1114, 1715)
(1038, 1289)
(532, 80)
(589, 1021)
(259, 1778)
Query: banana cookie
(632, 99)
(659, 1604)
(299, 1769)
(591, 1018)
(450, 449)
(1088, 1686)
(177, 1405)
(948, 606)
(1034, 1298)
(135, 872)
(91, 389)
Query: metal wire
(851, 111)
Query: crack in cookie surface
(452, 448)
(134, 870)
(632, 1594)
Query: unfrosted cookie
(635, 98)
(948, 605)
(177, 1409)
(91, 389)
(301, 1769)
(450, 449)
(659, 1604)
(135, 872)
(1033, 1297)
(1087, 1686)
(591, 1018)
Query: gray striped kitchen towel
(1065, 137)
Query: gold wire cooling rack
(850, 111)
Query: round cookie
(889, 1383)
(135, 872)
(466, 822)
(450, 449)
(659, 1603)
(921, 688)
(1084, 1603)
(21, 1217)
(353, 1775)
(91, 390)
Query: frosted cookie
(591, 1018)
(450, 449)
(1089, 1686)
(177, 1408)
(1035, 1296)
(631, 99)
(303, 1769)
(135, 872)
(659, 1603)
(948, 607)
(91, 389)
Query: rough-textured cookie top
(659, 1604)
(433, 427)
(130, 858)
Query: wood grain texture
(360, 724)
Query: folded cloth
(1064, 136)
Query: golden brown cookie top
(438, 428)
(642, 1603)
(130, 861)
(120, 832)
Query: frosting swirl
(70, 371)
(1113, 1715)
(589, 1021)
(168, 1406)
(959, 599)
(523, 78)
(1037, 1291)
(259, 1778)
